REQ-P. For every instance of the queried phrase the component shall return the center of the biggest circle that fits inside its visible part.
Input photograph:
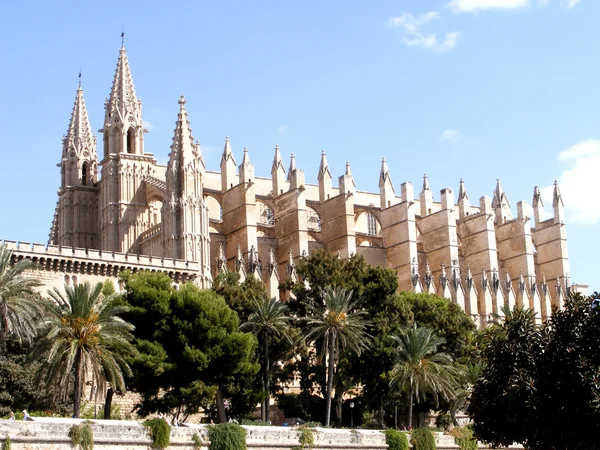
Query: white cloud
(578, 182)
(451, 136)
(412, 36)
(473, 6)
(572, 3)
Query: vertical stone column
(239, 221)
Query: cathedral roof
(79, 135)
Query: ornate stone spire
(347, 185)
(426, 198)
(484, 279)
(184, 150)
(228, 167)
(324, 178)
(246, 169)
(278, 174)
(500, 204)
(277, 161)
(123, 102)
(292, 166)
(80, 136)
(462, 191)
(386, 186)
(557, 204)
(538, 205)
(464, 205)
(426, 183)
(227, 153)
(428, 275)
(556, 197)
(324, 166)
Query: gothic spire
(292, 166)
(183, 150)
(277, 161)
(499, 196)
(123, 100)
(462, 191)
(80, 136)
(537, 197)
(324, 167)
(425, 183)
(227, 153)
(556, 196)
(384, 174)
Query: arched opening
(314, 221)
(266, 215)
(367, 223)
(215, 211)
(85, 170)
(130, 141)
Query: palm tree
(339, 325)
(83, 334)
(19, 308)
(268, 318)
(420, 366)
(466, 382)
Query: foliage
(19, 304)
(108, 288)
(304, 406)
(7, 444)
(82, 435)
(443, 421)
(227, 436)
(306, 437)
(502, 400)
(189, 347)
(268, 319)
(255, 423)
(465, 439)
(160, 432)
(396, 440)
(421, 367)
(338, 325)
(241, 297)
(423, 439)
(83, 333)
(87, 411)
(196, 441)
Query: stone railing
(150, 233)
(97, 262)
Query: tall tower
(185, 217)
(123, 208)
(76, 218)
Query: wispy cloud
(473, 6)
(282, 129)
(412, 35)
(451, 136)
(572, 3)
(578, 181)
(148, 125)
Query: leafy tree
(82, 333)
(269, 318)
(338, 325)
(503, 399)
(422, 367)
(470, 377)
(19, 305)
(188, 339)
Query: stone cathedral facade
(119, 209)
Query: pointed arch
(131, 140)
(85, 173)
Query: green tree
(269, 318)
(190, 349)
(502, 404)
(421, 367)
(82, 333)
(337, 324)
(19, 305)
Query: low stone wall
(52, 433)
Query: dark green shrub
(227, 436)
(6, 444)
(82, 435)
(160, 432)
(255, 423)
(422, 439)
(396, 440)
(443, 421)
(465, 439)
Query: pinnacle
(292, 165)
(385, 172)
(425, 183)
(122, 98)
(79, 134)
(537, 197)
(277, 162)
(499, 195)
(462, 191)
(183, 141)
(227, 153)
(348, 170)
(556, 197)
(324, 166)
(246, 157)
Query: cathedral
(119, 209)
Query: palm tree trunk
(267, 377)
(330, 367)
(108, 403)
(410, 405)
(77, 384)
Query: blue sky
(473, 89)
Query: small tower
(538, 206)
(558, 205)
(324, 178)
(464, 205)
(347, 185)
(426, 198)
(278, 174)
(386, 187)
(501, 205)
(246, 169)
(76, 218)
(228, 168)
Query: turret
(228, 168)
(538, 206)
(426, 198)
(464, 205)
(246, 169)
(278, 173)
(324, 178)
(558, 205)
(386, 187)
(295, 176)
(501, 205)
(347, 185)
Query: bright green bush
(160, 432)
(227, 436)
(465, 439)
(422, 439)
(82, 435)
(396, 440)
(306, 437)
(6, 444)
(196, 441)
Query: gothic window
(130, 141)
(371, 224)
(84, 174)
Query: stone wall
(52, 433)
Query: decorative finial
(123, 37)
(182, 101)
(79, 76)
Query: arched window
(130, 141)
(371, 225)
(84, 174)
